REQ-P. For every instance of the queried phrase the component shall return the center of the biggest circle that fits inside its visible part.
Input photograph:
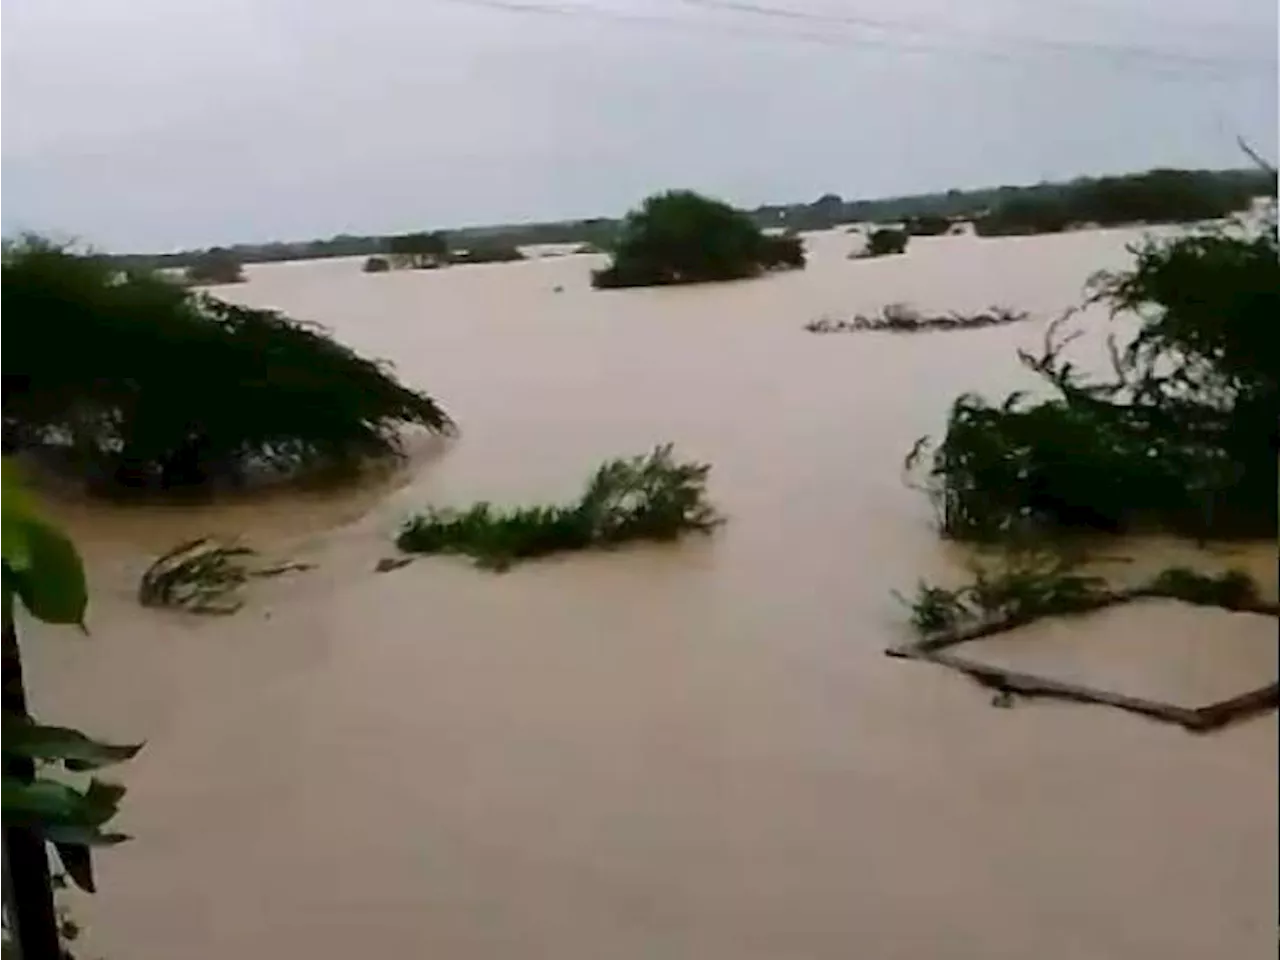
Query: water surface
(694, 751)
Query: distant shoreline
(827, 211)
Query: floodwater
(689, 751)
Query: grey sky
(152, 124)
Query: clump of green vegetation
(927, 225)
(1030, 585)
(135, 384)
(683, 237)
(883, 243)
(487, 253)
(638, 498)
(204, 576)
(214, 266)
(418, 251)
(1232, 590)
(902, 318)
(1158, 196)
(1184, 436)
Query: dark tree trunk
(28, 889)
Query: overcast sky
(154, 124)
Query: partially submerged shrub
(901, 318)
(1182, 438)
(883, 242)
(639, 498)
(927, 225)
(203, 576)
(215, 266)
(487, 253)
(134, 383)
(1028, 586)
(682, 237)
(1232, 590)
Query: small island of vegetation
(133, 383)
(683, 237)
(884, 242)
(215, 266)
(652, 498)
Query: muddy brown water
(694, 751)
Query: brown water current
(690, 751)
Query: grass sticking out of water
(649, 497)
(1031, 586)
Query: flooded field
(694, 751)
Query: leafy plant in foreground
(43, 804)
(638, 498)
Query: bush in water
(1183, 438)
(132, 382)
(901, 318)
(682, 237)
(882, 243)
(640, 498)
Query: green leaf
(52, 585)
(83, 835)
(71, 747)
(13, 537)
(45, 803)
(78, 863)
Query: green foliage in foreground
(134, 383)
(682, 237)
(638, 498)
(42, 572)
(1184, 436)
(1030, 586)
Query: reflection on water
(676, 751)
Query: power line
(891, 26)
(839, 40)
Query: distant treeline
(1155, 196)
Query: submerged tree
(419, 250)
(1183, 437)
(214, 266)
(885, 242)
(683, 237)
(166, 388)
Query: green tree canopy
(419, 250)
(134, 382)
(683, 237)
(215, 265)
